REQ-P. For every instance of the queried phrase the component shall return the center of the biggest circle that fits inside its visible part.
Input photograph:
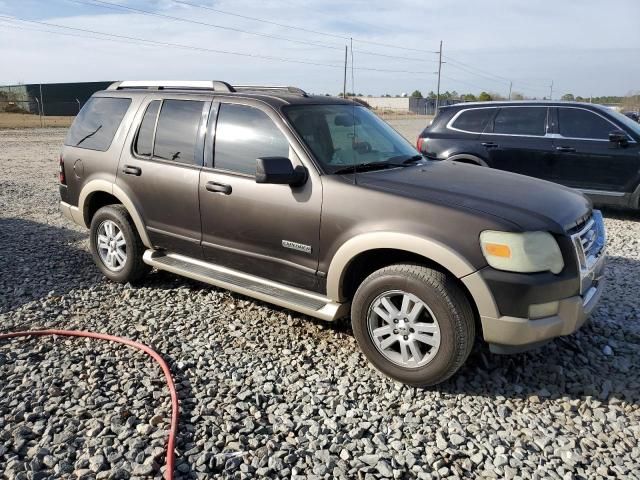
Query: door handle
(131, 170)
(218, 187)
(489, 144)
(565, 149)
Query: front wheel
(413, 323)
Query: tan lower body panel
(72, 213)
(573, 312)
(303, 301)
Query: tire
(131, 268)
(444, 314)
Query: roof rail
(294, 90)
(215, 85)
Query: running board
(302, 301)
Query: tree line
(629, 102)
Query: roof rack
(269, 88)
(215, 85)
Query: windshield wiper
(405, 160)
(89, 135)
(364, 167)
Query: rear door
(160, 168)
(517, 141)
(586, 159)
(267, 230)
(461, 134)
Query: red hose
(165, 369)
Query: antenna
(353, 116)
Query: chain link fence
(394, 114)
(33, 113)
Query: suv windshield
(343, 136)
(631, 124)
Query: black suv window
(144, 141)
(579, 123)
(177, 131)
(243, 134)
(97, 123)
(521, 121)
(474, 120)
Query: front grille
(589, 243)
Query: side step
(302, 301)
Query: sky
(585, 47)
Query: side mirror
(619, 137)
(279, 170)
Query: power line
(116, 6)
(489, 75)
(203, 49)
(451, 64)
(317, 32)
(466, 83)
(484, 72)
(246, 17)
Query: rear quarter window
(97, 123)
(475, 120)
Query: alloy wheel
(111, 245)
(403, 328)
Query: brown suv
(315, 204)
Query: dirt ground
(268, 393)
(25, 120)
(410, 128)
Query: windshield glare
(343, 135)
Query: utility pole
(344, 84)
(41, 102)
(510, 87)
(551, 91)
(439, 70)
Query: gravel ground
(268, 392)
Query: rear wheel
(116, 246)
(413, 323)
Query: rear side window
(144, 140)
(521, 121)
(579, 123)
(97, 123)
(474, 120)
(244, 134)
(177, 131)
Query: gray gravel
(268, 392)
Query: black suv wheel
(413, 323)
(116, 246)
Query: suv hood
(529, 203)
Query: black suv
(580, 145)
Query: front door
(518, 142)
(271, 231)
(586, 159)
(160, 170)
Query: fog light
(541, 310)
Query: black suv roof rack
(271, 88)
(215, 85)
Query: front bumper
(509, 334)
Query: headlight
(522, 252)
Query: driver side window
(244, 134)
